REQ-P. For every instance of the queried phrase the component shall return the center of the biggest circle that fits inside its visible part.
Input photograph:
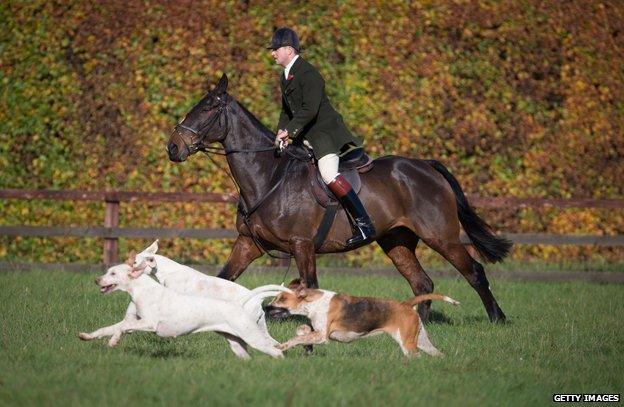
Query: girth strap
(326, 222)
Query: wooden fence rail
(111, 231)
(128, 196)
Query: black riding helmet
(284, 37)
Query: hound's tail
(256, 295)
(412, 302)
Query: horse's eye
(113, 273)
(208, 107)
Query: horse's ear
(221, 87)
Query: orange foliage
(516, 98)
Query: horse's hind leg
(472, 271)
(400, 245)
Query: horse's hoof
(498, 319)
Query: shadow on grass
(159, 353)
(437, 317)
(483, 319)
(160, 348)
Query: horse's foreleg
(472, 271)
(303, 250)
(400, 245)
(243, 253)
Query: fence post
(111, 220)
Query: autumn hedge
(517, 98)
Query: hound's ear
(131, 258)
(137, 270)
(221, 87)
(295, 283)
(301, 292)
(153, 248)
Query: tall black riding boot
(361, 223)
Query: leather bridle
(199, 135)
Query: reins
(242, 203)
(222, 151)
(246, 214)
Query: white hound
(185, 280)
(169, 314)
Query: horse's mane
(257, 123)
(296, 149)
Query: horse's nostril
(172, 149)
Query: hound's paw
(303, 330)
(85, 336)
(112, 342)
(281, 346)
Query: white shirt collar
(290, 64)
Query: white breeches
(328, 167)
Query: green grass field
(561, 338)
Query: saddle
(351, 165)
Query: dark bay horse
(408, 200)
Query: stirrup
(364, 232)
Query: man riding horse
(307, 115)
(410, 199)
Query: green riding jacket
(307, 112)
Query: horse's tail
(491, 247)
